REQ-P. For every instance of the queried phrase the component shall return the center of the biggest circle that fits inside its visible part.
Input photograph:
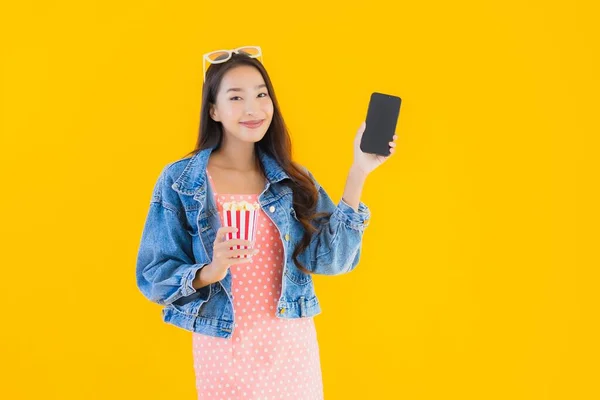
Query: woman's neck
(240, 158)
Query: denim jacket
(179, 233)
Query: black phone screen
(382, 117)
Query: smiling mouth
(253, 124)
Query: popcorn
(240, 206)
(242, 215)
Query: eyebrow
(235, 89)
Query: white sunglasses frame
(229, 53)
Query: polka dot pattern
(267, 357)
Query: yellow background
(479, 272)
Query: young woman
(251, 319)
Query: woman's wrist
(199, 280)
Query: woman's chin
(253, 135)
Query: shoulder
(174, 169)
(167, 176)
(310, 175)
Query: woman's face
(243, 97)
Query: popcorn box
(242, 215)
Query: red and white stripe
(245, 221)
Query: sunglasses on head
(221, 56)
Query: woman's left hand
(367, 162)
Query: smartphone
(382, 117)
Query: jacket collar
(194, 174)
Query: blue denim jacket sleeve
(165, 262)
(335, 249)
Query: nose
(252, 107)
(252, 111)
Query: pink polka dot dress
(267, 357)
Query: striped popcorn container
(242, 215)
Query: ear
(213, 113)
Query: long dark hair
(276, 143)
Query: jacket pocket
(297, 276)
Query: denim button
(287, 237)
(272, 208)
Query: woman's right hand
(223, 256)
